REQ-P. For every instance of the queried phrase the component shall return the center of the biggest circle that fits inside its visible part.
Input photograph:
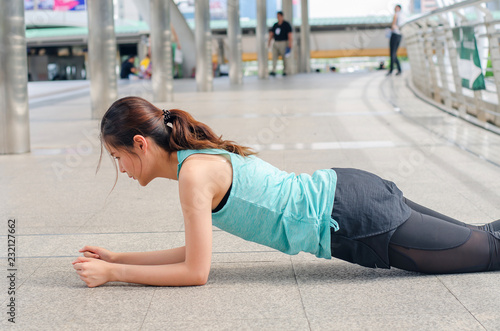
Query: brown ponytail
(188, 133)
(130, 116)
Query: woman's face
(128, 163)
(140, 162)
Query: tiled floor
(300, 124)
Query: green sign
(469, 65)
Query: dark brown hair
(132, 116)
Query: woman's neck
(166, 166)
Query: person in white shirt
(395, 40)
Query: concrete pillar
(203, 39)
(161, 51)
(102, 56)
(221, 54)
(287, 9)
(14, 111)
(305, 36)
(234, 40)
(262, 35)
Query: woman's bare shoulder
(205, 168)
(204, 178)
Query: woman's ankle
(489, 227)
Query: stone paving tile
(479, 293)
(78, 326)
(56, 295)
(269, 256)
(258, 274)
(354, 290)
(448, 322)
(267, 299)
(270, 324)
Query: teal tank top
(288, 212)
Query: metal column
(234, 39)
(262, 36)
(203, 39)
(305, 35)
(287, 8)
(161, 51)
(14, 111)
(102, 56)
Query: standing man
(281, 32)
(395, 40)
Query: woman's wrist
(116, 257)
(114, 272)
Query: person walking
(348, 214)
(281, 32)
(395, 40)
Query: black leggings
(430, 242)
(393, 46)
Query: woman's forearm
(168, 256)
(178, 274)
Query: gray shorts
(368, 210)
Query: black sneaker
(272, 73)
(284, 74)
(398, 73)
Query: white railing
(439, 66)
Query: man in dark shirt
(128, 68)
(281, 32)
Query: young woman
(345, 213)
(395, 40)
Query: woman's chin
(142, 182)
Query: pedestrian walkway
(299, 123)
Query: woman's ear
(140, 142)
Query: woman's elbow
(198, 280)
(198, 277)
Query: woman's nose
(120, 167)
